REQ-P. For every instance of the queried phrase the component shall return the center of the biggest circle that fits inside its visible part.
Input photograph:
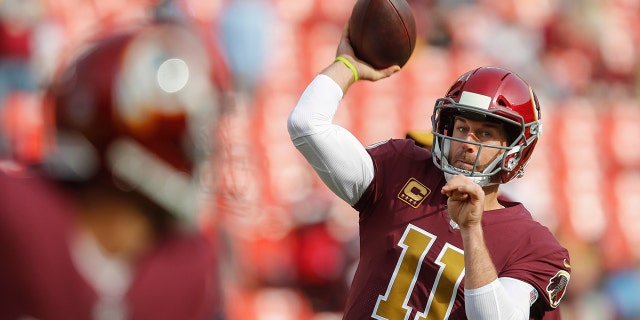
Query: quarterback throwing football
(435, 240)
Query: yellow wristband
(349, 65)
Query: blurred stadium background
(288, 245)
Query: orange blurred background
(289, 245)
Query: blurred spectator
(247, 28)
(107, 227)
(623, 287)
(18, 20)
(18, 23)
(323, 254)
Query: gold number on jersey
(415, 244)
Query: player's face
(465, 155)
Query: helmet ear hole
(513, 133)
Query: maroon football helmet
(489, 94)
(139, 109)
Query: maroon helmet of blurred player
(133, 124)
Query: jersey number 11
(416, 243)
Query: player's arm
(486, 294)
(334, 153)
(503, 298)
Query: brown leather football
(382, 32)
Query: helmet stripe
(475, 100)
(534, 103)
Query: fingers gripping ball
(382, 32)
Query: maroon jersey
(411, 253)
(38, 276)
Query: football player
(107, 226)
(436, 242)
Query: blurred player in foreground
(435, 241)
(107, 226)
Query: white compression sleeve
(335, 154)
(502, 299)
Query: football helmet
(489, 94)
(138, 109)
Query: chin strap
(480, 180)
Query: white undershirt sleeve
(503, 299)
(335, 154)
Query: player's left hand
(466, 201)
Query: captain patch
(413, 193)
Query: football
(382, 32)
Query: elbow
(296, 125)
(302, 124)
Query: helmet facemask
(443, 118)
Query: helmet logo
(173, 75)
